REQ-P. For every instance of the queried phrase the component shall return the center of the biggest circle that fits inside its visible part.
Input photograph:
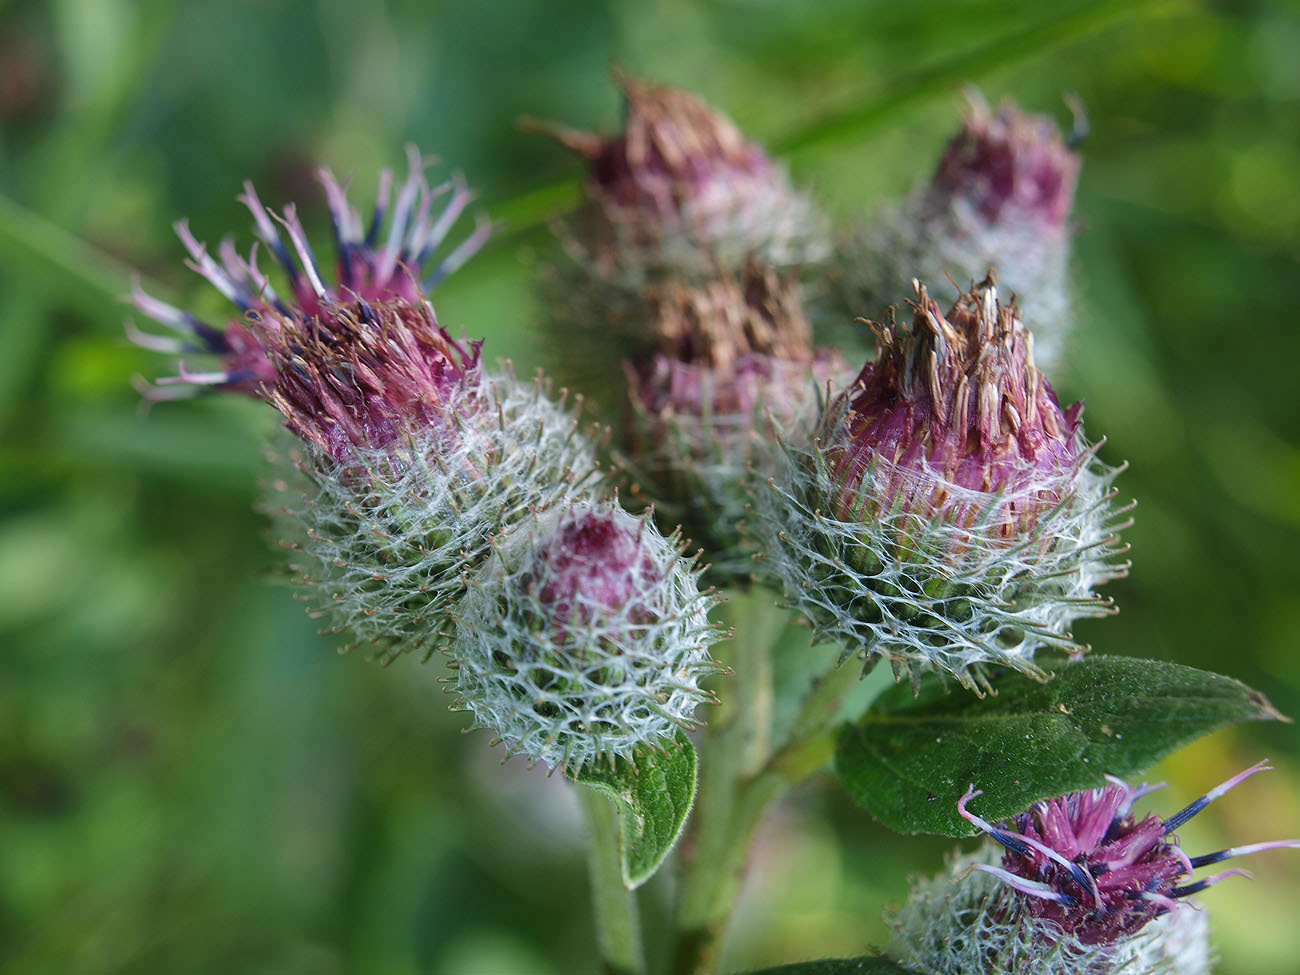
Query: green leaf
(653, 796)
(862, 965)
(909, 760)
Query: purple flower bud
(950, 513)
(1009, 166)
(1099, 874)
(349, 364)
(595, 565)
(1001, 197)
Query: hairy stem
(618, 924)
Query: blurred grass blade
(1033, 41)
(33, 245)
(30, 241)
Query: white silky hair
(382, 540)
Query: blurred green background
(191, 781)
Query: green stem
(736, 791)
(811, 740)
(618, 924)
(734, 749)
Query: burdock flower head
(584, 636)
(681, 187)
(734, 372)
(414, 454)
(1083, 886)
(379, 290)
(951, 513)
(1000, 197)
(679, 198)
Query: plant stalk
(618, 923)
(741, 777)
(733, 749)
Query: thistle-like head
(955, 401)
(1001, 196)
(354, 359)
(1097, 873)
(734, 372)
(674, 150)
(584, 636)
(679, 188)
(1009, 166)
(950, 514)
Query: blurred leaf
(654, 796)
(862, 965)
(909, 760)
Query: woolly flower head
(413, 454)
(681, 187)
(680, 195)
(382, 540)
(950, 514)
(1000, 197)
(584, 636)
(736, 371)
(1083, 886)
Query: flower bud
(1000, 197)
(1083, 886)
(584, 636)
(951, 514)
(735, 373)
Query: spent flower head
(950, 513)
(734, 372)
(678, 198)
(584, 637)
(681, 187)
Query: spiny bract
(584, 636)
(950, 514)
